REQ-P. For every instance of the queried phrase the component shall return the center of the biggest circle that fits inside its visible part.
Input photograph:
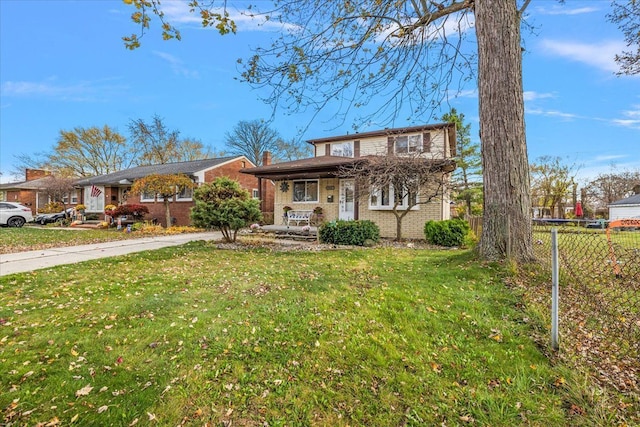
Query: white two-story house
(307, 184)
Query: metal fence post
(554, 289)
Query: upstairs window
(343, 149)
(406, 144)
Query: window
(305, 191)
(185, 194)
(408, 144)
(384, 198)
(74, 197)
(344, 149)
(148, 197)
(255, 194)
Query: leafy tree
(90, 151)
(606, 188)
(165, 187)
(413, 179)
(224, 205)
(627, 15)
(552, 183)
(466, 179)
(137, 211)
(156, 144)
(354, 51)
(251, 139)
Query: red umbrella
(578, 209)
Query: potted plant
(318, 212)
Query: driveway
(34, 260)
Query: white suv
(14, 214)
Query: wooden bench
(299, 216)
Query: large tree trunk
(506, 228)
(167, 212)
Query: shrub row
(355, 232)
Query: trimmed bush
(134, 210)
(356, 232)
(450, 232)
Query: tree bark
(507, 214)
(167, 212)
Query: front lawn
(30, 238)
(196, 335)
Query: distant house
(115, 188)
(306, 184)
(626, 208)
(32, 191)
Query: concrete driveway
(34, 260)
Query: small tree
(225, 206)
(164, 187)
(57, 188)
(412, 179)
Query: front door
(347, 205)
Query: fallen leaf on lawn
(74, 418)
(151, 416)
(84, 391)
(134, 422)
(102, 409)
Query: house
(115, 188)
(626, 208)
(314, 182)
(32, 192)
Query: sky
(63, 65)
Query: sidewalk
(34, 260)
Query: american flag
(95, 191)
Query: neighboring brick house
(31, 192)
(115, 188)
(308, 183)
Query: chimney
(266, 158)
(31, 174)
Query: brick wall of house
(181, 210)
(248, 182)
(412, 224)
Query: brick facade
(181, 210)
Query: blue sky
(63, 65)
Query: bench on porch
(298, 216)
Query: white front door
(347, 199)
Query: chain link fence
(599, 296)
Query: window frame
(187, 191)
(409, 147)
(335, 146)
(390, 198)
(306, 191)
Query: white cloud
(176, 65)
(600, 55)
(552, 113)
(565, 10)
(79, 91)
(532, 96)
(178, 12)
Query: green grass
(34, 237)
(196, 335)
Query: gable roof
(633, 200)
(33, 184)
(187, 168)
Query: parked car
(53, 217)
(601, 223)
(14, 214)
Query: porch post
(260, 194)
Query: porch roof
(313, 167)
(320, 167)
